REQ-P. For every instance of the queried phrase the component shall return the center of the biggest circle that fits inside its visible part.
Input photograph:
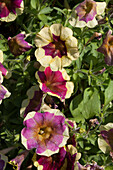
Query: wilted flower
(4, 93)
(56, 47)
(47, 132)
(18, 45)
(9, 9)
(3, 161)
(55, 83)
(18, 160)
(33, 102)
(105, 140)
(85, 13)
(107, 48)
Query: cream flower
(56, 47)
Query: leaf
(45, 10)
(76, 108)
(109, 93)
(91, 106)
(34, 3)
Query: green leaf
(109, 93)
(45, 10)
(91, 103)
(76, 108)
(109, 168)
(34, 3)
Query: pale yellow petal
(56, 29)
(40, 41)
(65, 33)
(100, 7)
(1, 56)
(70, 88)
(103, 145)
(64, 74)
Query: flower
(85, 14)
(18, 45)
(18, 160)
(3, 161)
(107, 48)
(4, 93)
(64, 159)
(33, 102)
(55, 83)
(9, 9)
(47, 132)
(105, 140)
(56, 47)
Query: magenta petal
(3, 70)
(39, 118)
(27, 133)
(30, 123)
(56, 48)
(32, 143)
(41, 147)
(4, 11)
(54, 142)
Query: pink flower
(55, 83)
(47, 132)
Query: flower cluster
(47, 132)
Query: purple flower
(33, 102)
(56, 47)
(107, 48)
(9, 9)
(47, 132)
(4, 93)
(64, 159)
(18, 45)
(18, 160)
(52, 162)
(3, 161)
(55, 83)
(85, 13)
